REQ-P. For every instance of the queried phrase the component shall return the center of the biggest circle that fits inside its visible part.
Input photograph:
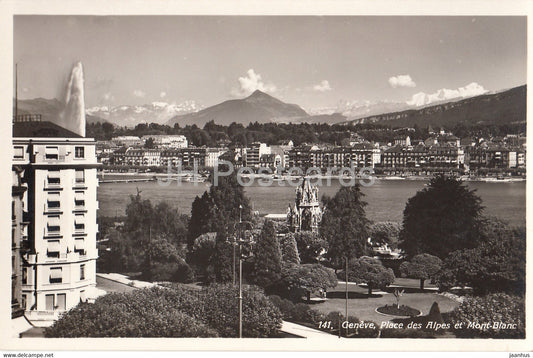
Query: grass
(363, 307)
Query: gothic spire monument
(305, 214)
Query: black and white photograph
(297, 178)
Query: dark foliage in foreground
(498, 307)
(172, 312)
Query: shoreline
(272, 177)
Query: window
(53, 224)
(82, 272)
(53, 177)
(23, 303)
(61, 301)
(80, 176)
(24, 275)
(56, 275)
(79, 222)
(19, 152)
(50, 302)
(79, 152)
(79, 246)
(79, 200)
(13, 216)
(53, 248)
(51, 153)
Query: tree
(223, 256)
(201, 255)
(309, 278)
(149, 144)
(344, 225)
(370, 271)
(385, 233)
(201, 214)
(289, 250)
(422, 267)
(164, 263)
(267, 257)
(497, 264)
(441, 218)
(311, 246)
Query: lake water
(386, 198)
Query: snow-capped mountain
(358, 109)
(155, 112)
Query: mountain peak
(259, 94)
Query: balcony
(79, 184)
(51, 209)
(52, 184)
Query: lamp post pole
(346, 293)
(240, 271)
(240, 298)
(234, 244)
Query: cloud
(322, 86)
(470, 90)
(251, 82)
(139, 93)
(163, 94)
(401, 81)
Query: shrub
(261, 318)
(170, 312)
(141, 313)
(498, 307)
(403, 310)
(299, 312)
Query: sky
(309, 60)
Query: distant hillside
(49, 109)
(497, 108)
(259, 107)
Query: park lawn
(362, 307)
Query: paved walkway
(305, 332)
(125, 280)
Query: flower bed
(403, 310)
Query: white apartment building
(167, 140)
(127, 140)
(212, 155)
(59, 171)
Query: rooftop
(36, 129)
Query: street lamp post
(346, 293)
(242, 257)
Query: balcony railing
(27, 118)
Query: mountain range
(155, 112)
(504, 107)
(508, 106)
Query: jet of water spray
(74, 114)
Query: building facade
(59, 171)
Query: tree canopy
(422, 267)
(441, 218)
(267, 257)
(309, 278)
(370, 271)
(497, 264)
(344, 225)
